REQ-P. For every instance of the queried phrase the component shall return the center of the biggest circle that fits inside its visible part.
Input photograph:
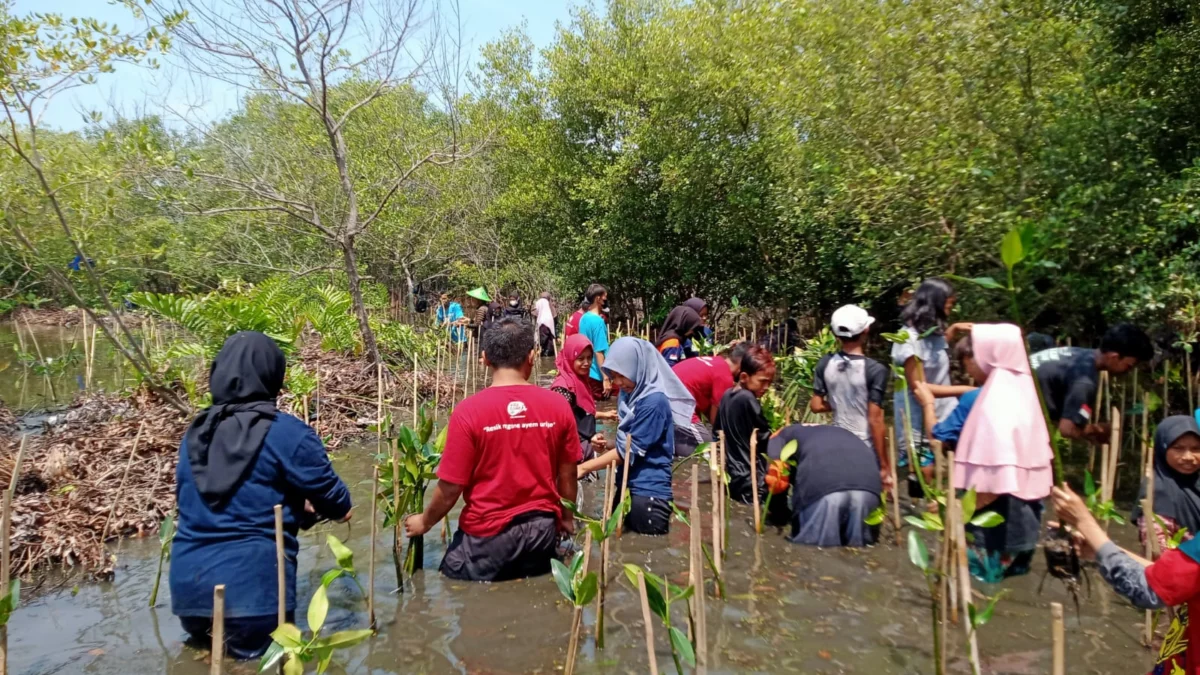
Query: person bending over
(651, 402)
(707, 378)
(740, 416)
(1069, 377)
(238, 459)
(510, 453)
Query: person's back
(503, 446)
(1068, 378)
(593, 327)
(571, 327)
(850, 383)
(707, 378)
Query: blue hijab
(650, 373)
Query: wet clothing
(522, 548)
(707, 378)
(932, 351)
(651, 431)
(837, 519)
(246, 637)
(235, 543)
(546, 340)
(850, 383)
(649, 515)
(997, 553)
(593, 327)
(739, 415)
(1069, 378)
(504, 445)
(448, 315)
(688, 438)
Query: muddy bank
(64, 317)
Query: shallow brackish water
(790, 609)
(21, 388)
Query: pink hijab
(567, 379)
(1004, 447)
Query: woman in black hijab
(238, 459)
(680, 325)
(1176, 491)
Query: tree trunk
(350, 258)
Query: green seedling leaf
(934, 520)
(586, 591)
(981, 618)
(680, 515)
(682, 646)
(875, 517)
(982, 282)
(987, 519)
(324, 656)
(318, 608)
(968, 505)
(272, 656)
(288, 636)
(917, 553)
(14, 594)
(293, 665)
(788, 450)
(1012, 251)
(331, 575)
(439, 444)
(166, 531)
(917, 522)
(899, 337)
(576, 564)
(345, 638)
(1089, 484)
(341, 553)
(654, 589)
(562, 577)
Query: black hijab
(680, 324)
(1176, 496)
(224, 440)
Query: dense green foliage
(792, 155)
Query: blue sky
(134, 90)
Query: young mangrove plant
(166, 535)
(290, 643)
(661, 595)
(404, 476)
(600, 530)
(579, 587)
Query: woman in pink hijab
(1002, 449)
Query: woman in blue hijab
(238, 459)
(652, 401)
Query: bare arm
(878, 431)
(568, 489)
(1093, 433)
(948, 390)
(818, 404)
(445, 496)
(712, 412)
(913, 373)
(597, 463)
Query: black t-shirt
(585, 423)
(1069, 378)
(828, 459)
(739, 415)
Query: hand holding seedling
(415, 525)
(1073, 511)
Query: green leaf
(324, 656)
(899, 337)
(293, 665)
(341, 553)
(680, 515)
(331, 575)
(562, 577)
(586, 591)
(934, 520)
(968, 505)
(288, 636)
(274, 652)
(917, 552)
(917, 522)
(1012, 251)
(875, 517)
(345, 638)
(654, 589)
(987, 519)
(682, 646)
(318, 607)
(788, 450)
(981, 618)
(1089, 484)
(14, 593)
(166, 531)
(576, 563)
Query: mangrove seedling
(416, 459)
(290, 643)
(166, 534)
(579, 587)
(708, 558)
(601, 530)
(661, 595)
(778, 475)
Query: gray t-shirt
(849, 382)
(935, 357)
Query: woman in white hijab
(545, 324)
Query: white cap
(850, 320)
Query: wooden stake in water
(696, 577)
(218, 629)
(646, 618)
(397, 548)
(415, 394)
(624, 479)
(895, 482)
(1114, 444)
(280, 562)
(724, 509)
(1059, 641)
(437, 382)
(371, 560)
(714, 474)
(754, 480)
(964, 590)
(610, 482)
(5, 552)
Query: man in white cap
(852, 386)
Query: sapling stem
(281, 570)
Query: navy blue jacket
(235, 545)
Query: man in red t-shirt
(571, 327)
(706, 378)
(511, 452)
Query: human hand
(606, 415)
(599, 444)
(566, 523)
(607, 386)
(415, 525)
(1069, 507)
(923, 394)
(885, 477)
(956, 328)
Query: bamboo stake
(895, 482)
(1166, 386)
(964, 581)
(646, 619)
(121, 488)
(1058, 636)
(279, 564)
(724, 491)
(371, 560)
(415, 394)
(437, 382)
(1145, 428)
(696, 577)
(610, 480)
(714, 474)
(754, 480)
(577, 616)
(5, 552)
(1098, 412)
(218, 629)
(91, 365)
(397, 556)
(1114, 443)
(624, 479)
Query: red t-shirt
(707, 378)
(505, 445)
(1175, 578)
(572, 325)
